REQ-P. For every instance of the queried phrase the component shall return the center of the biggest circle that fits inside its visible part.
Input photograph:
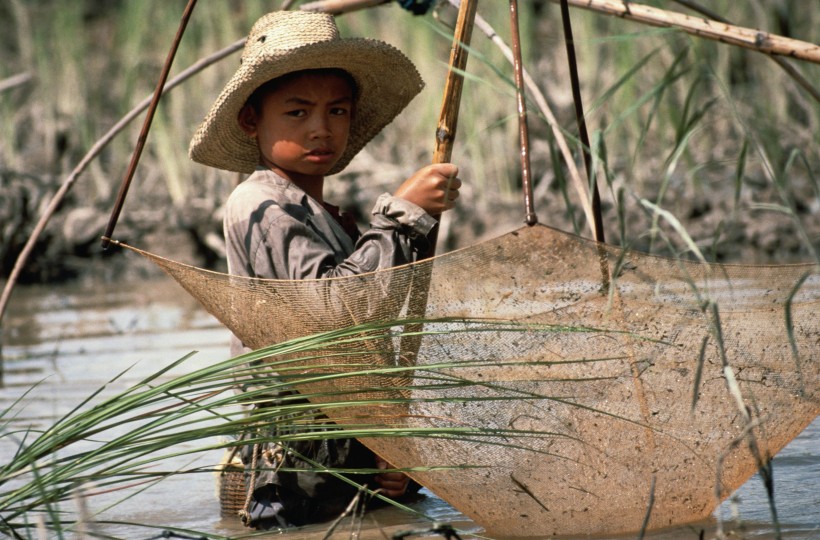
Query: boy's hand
(391, 484)
(434, 188)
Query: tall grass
(674, 114)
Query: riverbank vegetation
(719, 138)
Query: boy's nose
(321, 128)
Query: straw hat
(286, 41)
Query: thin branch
(749, 38)
(15, 81)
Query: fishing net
(630, 382)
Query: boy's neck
(313, 186)
(310, 184)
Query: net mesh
(642, 378)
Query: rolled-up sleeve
(412, 219)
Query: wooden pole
(523, 129)
(448, 116)
(581, 121)
(143, 136)
(784, 64)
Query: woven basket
(232, 490)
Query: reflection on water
(71, 341)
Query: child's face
(303, 125)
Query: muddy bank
(70, 246)
(69, 249)
(736, 170)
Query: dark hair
(255, 99)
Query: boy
(302, 104)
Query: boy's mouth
(321, 154)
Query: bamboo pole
(749, 38)
(448, 116)
(784, 64)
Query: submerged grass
(121, 442)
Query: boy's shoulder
(265, 185)
(262, 190)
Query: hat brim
(387, 81)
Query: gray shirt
(273, 229)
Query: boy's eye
(339, 111)
(296, 113)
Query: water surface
(69, 341)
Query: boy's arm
(294, 242)
(398, 230)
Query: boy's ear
(248, 120)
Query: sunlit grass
(675, 114)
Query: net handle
(448, 116)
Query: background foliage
(719, 137)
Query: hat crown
(286, 30)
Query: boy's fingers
(393, 484)
(447, 170)
(451, 193)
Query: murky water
(73, 340)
